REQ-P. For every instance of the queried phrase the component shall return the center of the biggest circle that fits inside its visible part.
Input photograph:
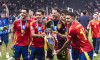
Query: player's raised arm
(7, 10)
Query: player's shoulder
(29, 20)
(91, 20)
(48, 21)
(17, 20)
(63, 22)
(33, 22)
(76, 25)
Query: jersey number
(82, 32)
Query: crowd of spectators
(16, 5)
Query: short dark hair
(27, 10)
(76, 14)
(65, 11)
(40, 10)
(71, 14)
(57, 9)
(84, 12)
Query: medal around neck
(23, 27)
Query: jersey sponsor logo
(31, 27)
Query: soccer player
(94, 24)
(77, 35)
(31, 16)
(73, 51)
(4, 30)
(63, 15)
(63, 18)
(37, 42)
(21, 34)
(57, 25)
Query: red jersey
(74, 46)
(99, 28)
(33, 18)
(77, 34)
(94, 24)
(19, 39)
(39, 41)
(49, 18)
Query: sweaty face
(39, 15)
(69, 19)
(95, 16)
(24, 14)
(2, 16)
(63, 17)
(30, 13)
(55, 14)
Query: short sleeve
(71, 34)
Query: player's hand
(43, 34)
(58, 51)
(55, 32)
(44, 21)
(12, 47)
(4, 5)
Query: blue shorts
(18, 50)
(83, 57)
(4, 38)
(34, 51)
(75, 54)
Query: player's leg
(70, 53)
(6, 39)
(97, 46)
(40, 53)
(49, 54)
(94, 42)
(32, 51)
(67, 54)
(75, 54)
(1, 40)
(0, 51)
(94, 46)
(17, 52)
(86, 55)
(24, 51)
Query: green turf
(3, 52)
(90, 39)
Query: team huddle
(28, 32)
